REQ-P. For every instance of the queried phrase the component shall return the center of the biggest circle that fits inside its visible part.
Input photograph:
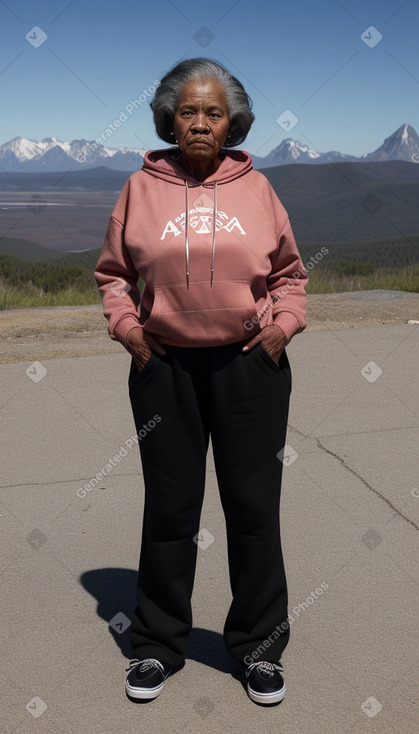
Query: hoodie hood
(166, 164)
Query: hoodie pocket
(202, 315)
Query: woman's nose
(200, 123)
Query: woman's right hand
(139, 348)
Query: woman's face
(201, 121)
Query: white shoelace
(266, 667)
(146, 665)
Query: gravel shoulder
(77, 331)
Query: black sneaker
(265, 683)
(146, 678)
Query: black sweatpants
(242, 400)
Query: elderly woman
(223, 295)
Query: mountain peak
(402, 145)
(406, 131)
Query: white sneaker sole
(267, 697)
(143, 693)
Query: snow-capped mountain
(403, 145)
(289, 151)
(21, 154)
(292, 151)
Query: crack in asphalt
(358, 476)
(365, 483)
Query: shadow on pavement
(115, 591)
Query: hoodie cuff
(288, 323)
(122, 328)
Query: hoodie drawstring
(187, 232)
(214, 217)
(214, 230)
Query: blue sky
(306, 56)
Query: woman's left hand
(273, 341)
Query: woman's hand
(139, 348)
(273, 341)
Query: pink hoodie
(213, 276)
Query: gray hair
(165, 100)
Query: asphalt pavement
(71, 519)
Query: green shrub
(401, 279)
(46, 277)
(346, 267)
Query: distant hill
(31, 251)
(391, 253)
(100, 178)
(335, 202)
(26, 249)
(349, 201)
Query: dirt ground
(48, 333)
